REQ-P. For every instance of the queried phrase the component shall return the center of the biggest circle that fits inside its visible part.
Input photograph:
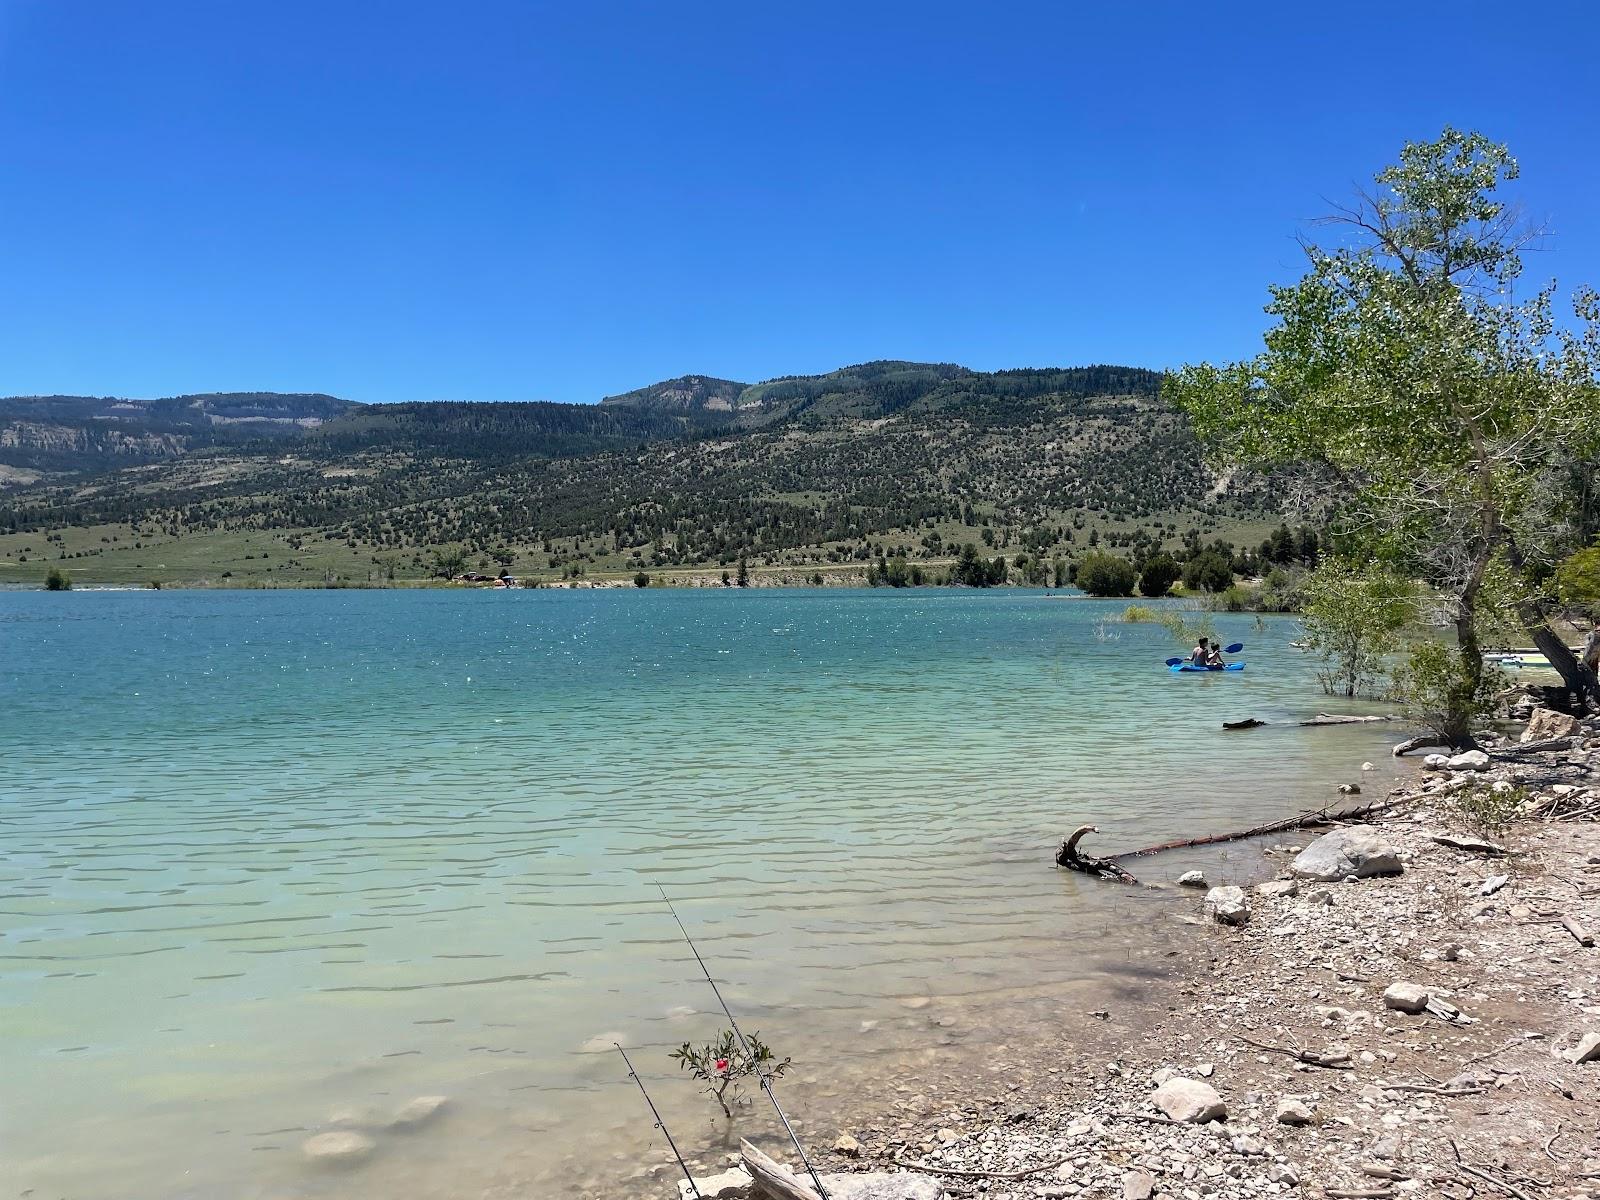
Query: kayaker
(1214, 659)
(1200, 656)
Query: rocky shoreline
(1411, 1008)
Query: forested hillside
(882, 458)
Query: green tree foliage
(972, 570)
(57, 580)
(1450, 412)
(1159, 573)
(1208, 571)
(448, 562)
(1354, 618)
(641, 580)
(1578, 580)
(1102, 574)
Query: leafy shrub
(1437, 690)
(641, 580)
(722, 1064)
(1485, 811)
(57, 581)
(1160, 572)
(1208, 571)
(1354, 617)
(1102, 574)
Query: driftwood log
(773, 1180)
(1319, 719)
(1306, 820)
(1103, 868)
(1417, 743)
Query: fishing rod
(660, 1124)
(750, 1056)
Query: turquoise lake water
(271, 861)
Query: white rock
(1293, 1112)
(1138, 1185)
(847, 1146)
(1359, 850)
(1227, 905)
(733, 1184)
(878, 1185)
(342, 1148)
(603, 1043)
(1470, 760)
(1406, 997)
(1588, 1049)
(1436, 762)
(1190, 1101)
(1278, 887)
(1194, 879)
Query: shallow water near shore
(273, 859)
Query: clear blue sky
(506, 201)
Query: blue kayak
(1181, 668)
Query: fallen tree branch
(1333, 1060)
(1321, 816)
(1343, 719)
(1585, 938)
(1417, 743)
(1102, 868)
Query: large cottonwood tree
(1452, 413)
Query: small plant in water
(722, 1064)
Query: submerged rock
(1359, 850)
(341, 1148)
(419, 1112)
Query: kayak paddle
(1172, 662)
(1233, 649)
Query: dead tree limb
(1418, 743)
(1343, 719)
(773, 1178)
(1322, 816)
(1102, 868)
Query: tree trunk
(1579, 678)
